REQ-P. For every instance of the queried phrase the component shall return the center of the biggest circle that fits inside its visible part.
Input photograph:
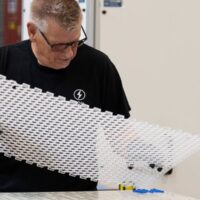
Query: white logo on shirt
(79, 94)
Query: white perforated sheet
(72, 138)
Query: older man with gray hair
(55, 59)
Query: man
(55, 60)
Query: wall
(155, 45)
(12, 21)
(25, 17)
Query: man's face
(45, 44)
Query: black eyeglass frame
(63, 46)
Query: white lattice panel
(72, 138)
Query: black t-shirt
(90, 78)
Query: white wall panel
(155, 45)
(25, 18)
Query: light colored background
(155, 45)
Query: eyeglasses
(62, 46)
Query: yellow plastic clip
(129, 187)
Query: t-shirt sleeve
(115, 99)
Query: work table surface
(99, 195)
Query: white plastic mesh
(72, 138)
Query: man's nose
(69, 52)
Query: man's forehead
(55, 26)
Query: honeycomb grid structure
(73, 138)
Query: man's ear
(32, 30)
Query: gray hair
(66, 13)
